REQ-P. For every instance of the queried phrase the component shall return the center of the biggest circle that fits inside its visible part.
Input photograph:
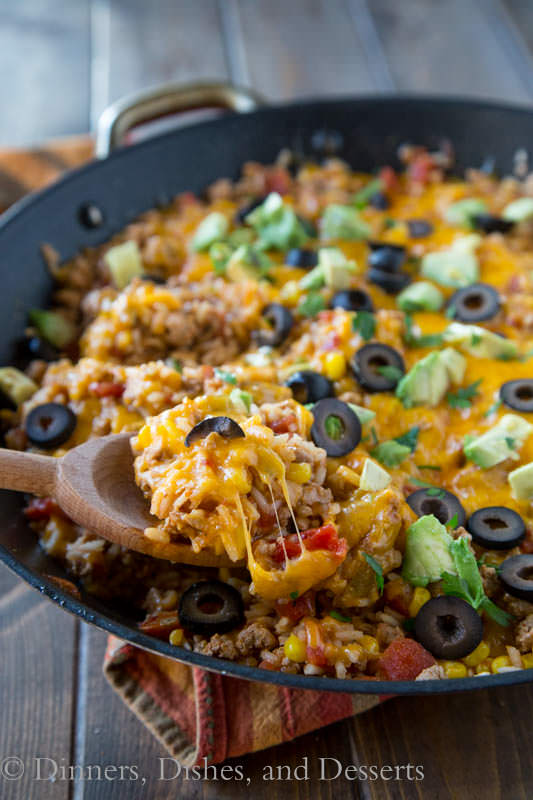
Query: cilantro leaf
(494, 407)
(374, 435)
(463, 397)
(338, 616)
(364, 324)
(409, 438)
(227, 377)
(294, 595)
(311, 304)
(453, 522)
(467, 584)
(390, 453)
(424, 340)
(377, 569)
(334, 427)
(390, 372)
(362, 197)
(431, 491)
(429, 466)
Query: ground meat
(387, 633)
(253, 638)
(220, 645)
(435, 672)
(491, 583)
(524, 634)
(516, 607)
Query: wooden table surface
(62, 61)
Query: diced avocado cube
(521, 482)
(241, 400)
(519, 210)
(333, 270)
(480, 342)
(427, 552)
(503, 441)
(429, 379)
(53, 327)
(462, 212)
(455, 363)
(125, 263)
(277, 224)
(364, 414)
(247, 262)
(16, 385)
(314, 279)
(211, 229)
(373, 477)
(343, 222)
(420, 296)
(220, 253)
(457, 266)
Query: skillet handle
(170, 98)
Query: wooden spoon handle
(27, 472)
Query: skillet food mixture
(330, 379)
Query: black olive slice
(386, 257)
(309, 387)
(209, 607)
(390, 282)
(370, 359)
(475, 303)
(34, 347)
(448, 627)
(380, 201)
(224, 426)
(352, 300)
(153, 278)
(247, 208)
(488, 223)
(50, 425)
(281, 321)
(518, 394)
(516, 574)
(336, 428)
(419, 228)
(300, 257)
(496, 528)
(442, 504)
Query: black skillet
(366, 132)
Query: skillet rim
(133, 635)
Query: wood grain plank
(138, 44)
(303, 49)
(43, 46)
(469, 745)
(451, 47)
(37, 689)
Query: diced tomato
(324, 538)
(527, 544)
(266, 521)
(106, 389)
(41, 508)
(267, 665)
(388, 178)
(398, 595)
(278, 180)
(316, 656)
(284, 425)
(332, 342)
(326, 316)
(296, 609)
(404, 659)
(161, 624)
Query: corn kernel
(299, 473)
(420, 596)
(290, 293)
(478, 655)
(176, 637)
(335, 366)
(483, 668)
(454, 669)
(348, 475)
(527, 660)
(294, 648)
(370, 644)
(499, 662)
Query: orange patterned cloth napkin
(197, 714)
(194, 713)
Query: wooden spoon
(94, 485)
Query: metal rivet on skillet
(90, 216)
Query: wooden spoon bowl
(94, 484)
